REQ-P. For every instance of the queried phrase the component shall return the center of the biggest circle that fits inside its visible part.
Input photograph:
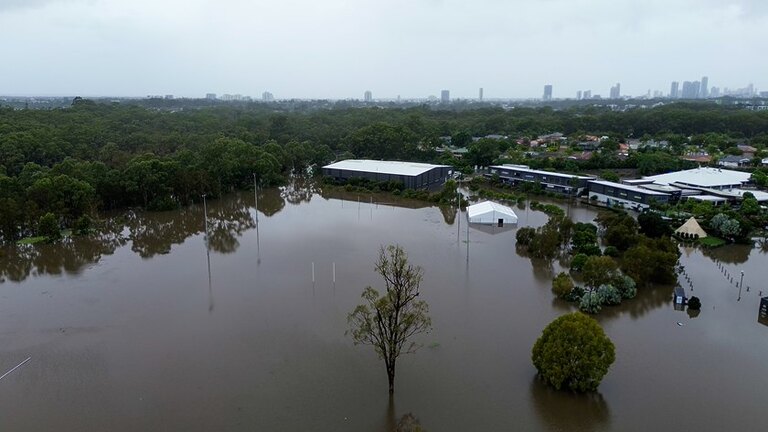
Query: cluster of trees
(71, 162)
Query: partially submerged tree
(389, 321)
(573, 353)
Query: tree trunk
(391, 376)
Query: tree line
(67, 164)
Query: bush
(626, 286)
(525, 235)
(575, 295)
(578, 261)
(611, 251)
(609, 295)
(48, 226)
(590, 302)
(694, 303)
(573, 353)
(562, 285)
(83, 225)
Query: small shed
(691, 228)
(679, 296)
(491, 213)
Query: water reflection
(300, 190)
(69, 256)
(271, 201)
(565, 411)
(730, 254)
(150, 234)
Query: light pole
(205, 212)
(740, 284)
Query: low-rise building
(624, 195)
(551, 181)
(734, 161)
(413, 175)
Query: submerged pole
(313, 272)
(15, 367)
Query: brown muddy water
(139, 328)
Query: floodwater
(140, 328)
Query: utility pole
(205, 211)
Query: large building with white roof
(413, 175)
(629, 196)
(703, 184)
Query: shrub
(626, 286)
(609, 295)
(694, 303)
(611, 251)
(525, 235)
(578, 261)
(562, 285)
(590, 302)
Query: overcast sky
(412, 48)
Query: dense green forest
(62, 166)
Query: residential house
(734, 161)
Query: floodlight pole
(205, 211)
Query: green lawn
(32, 240)
(711, 242)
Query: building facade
(547, 92)
(412, 175)
(551, 181)
(623, 195)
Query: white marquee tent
(491, 213)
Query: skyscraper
(480, 95)
(587, 94)
(267, 97)
(368, 96)
(690, 89)
(616, 91)
(674, 91)
(578, 95)
(445, 96)
(547, 92)
(704, 91)
(210, 96)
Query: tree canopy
(573, 353)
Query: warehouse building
(619, 194)
(413, 175)
(552, 181)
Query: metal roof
(384, 167)
(627, 187)
(525, 168)
(702, 177)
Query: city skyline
(336, 49)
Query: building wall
(552, 181)
(631, 199)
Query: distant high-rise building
(445, 96)
(714, 92)
(368, 96)
(674, 91)
(704, 91)
(210, 96)
(267, 97)
(578, 95)
(616, 91)
(690, 89)
(480, 94)
(547, 92)
(587, 94)
(169, 96)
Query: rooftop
(525, 168)
(385, 167)
(488, 206)
(628, 187)
(703, 177)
